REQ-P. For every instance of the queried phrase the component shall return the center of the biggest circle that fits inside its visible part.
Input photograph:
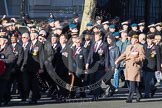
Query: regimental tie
(76, 51)
(24, 46)
(95, 47)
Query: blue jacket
(114, 54)
(122, 47)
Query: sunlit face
(141, 27)
(2, 41)
(32, 30)
(134, 28)
(124, 35)
(54, 39)
(33, 36)
(78, 43)
(112, 30)
(158, 28)
(125, 27)
(59, 31)
(74, 38)
(150, 41)
(157, 39)
(152, 29)
(87, 37)
(98, 37)
(13, 39)
(63, 40)
(98, 21)
(134, 41)
(109, 41)
(105, 26)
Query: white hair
(26, 34)
(142, 35)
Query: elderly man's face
(2, 41)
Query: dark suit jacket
(35, 62)
(47, 51)
(87, 49)
(62, 64)
(57, 55)
(152, 63)
(8, 57)
(79, 62)
(19, 53)
(103, 59)
(26, 50)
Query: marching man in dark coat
(98, 57)
(34, 66)
(7, 59)
(16, 75)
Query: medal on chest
(35, 50)
(153, 52)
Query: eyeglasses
(24, 37)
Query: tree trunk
(88, 14)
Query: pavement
(116, 101)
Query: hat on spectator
(134, 25)
(124, 23)
(151, 25)
(158, 24)
(112, 26)
(89, 24)
(141, 24)
(51, 20)
(106, 22)
(72, 26)
(116, 34)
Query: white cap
(106, 22)
(152, 25)
(8, 24)
(54, 28)
(30, 25)
(141, 24)
(158, 24)
(122, 31)
(124, 23)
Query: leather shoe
(138, 100)
(95, 98)
(128, 101)
(153, 92)
(33, 102)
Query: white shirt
(150, 46)
(86, 43)
(33, 42)
(62, 46)
(54, 45)
(98, 44)
(13, 45)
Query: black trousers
(3, 90)
(133, 87)
(32, 84)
